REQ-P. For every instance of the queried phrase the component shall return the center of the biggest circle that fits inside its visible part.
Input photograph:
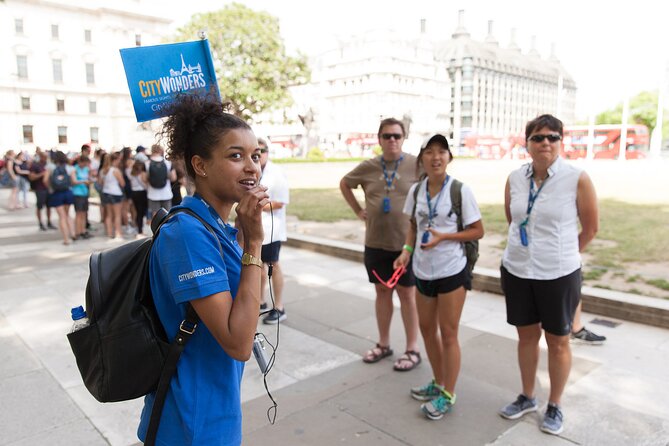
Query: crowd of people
(129, 185)
(414, 245)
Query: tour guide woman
(439, 264)
(545, 201)
(222, 158)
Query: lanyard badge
(530, 205)
(388, 179)
(432, 211)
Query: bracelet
(408, 248)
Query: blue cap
(78, 313)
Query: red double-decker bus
(606, 141)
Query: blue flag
(156, 74)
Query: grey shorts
(80, 204)
(154, 206)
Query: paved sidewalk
(617, 393)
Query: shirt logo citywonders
(195, 273)
(187, 78)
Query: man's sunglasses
(551, 138)
(392, 135)
(393, 279)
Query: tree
(252, 67)
(642, 110)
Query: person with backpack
(551, 208)
(159, 175)
(191, 267)
(444, 217)
(112, 192)
(59, 180)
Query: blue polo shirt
(203, 405)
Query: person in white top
(439, 264)
(546, 201)
(158, 176)
(274, 226)
(112, 191)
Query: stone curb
(614, 304)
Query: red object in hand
(393, 279)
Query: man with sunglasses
(386, 180)
(551, 208)
(274, 225)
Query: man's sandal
(409, 357)
(377, 353)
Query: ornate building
(460, 86)
(62, 81)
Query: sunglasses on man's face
(387, 136)
(550, 137)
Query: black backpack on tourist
(124, 353)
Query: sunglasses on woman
(551, 138)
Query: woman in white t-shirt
(439, 264)
(112, 190)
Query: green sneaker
(427, 392)
(438, 407)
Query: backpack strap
(456, 202)
(415, 197)
(186, 330)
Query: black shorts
(270, 252)
(41, 196)
(432, 288)
(80, 203)
(549, 302)
(381, 261)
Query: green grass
(639, 233)
(594, 273)
(659, 283)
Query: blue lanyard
(389, 179)
(531, 199)
(432, 212)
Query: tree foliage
(642, 110)
(252, 67)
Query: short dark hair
(543, 121)
(392, 121)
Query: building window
(62, 135)
(138, 40)
(92, 107)
(27, 133)
(55, 32)
(90, 73)
(94, 135)
(57, 65)
(60, 105)
(18, 26)
(25, 103)
(22, 67)
(88, 35)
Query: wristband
(408, 248)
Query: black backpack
(470, 247)
(124, 353)
(157, 174)
(60, 180)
